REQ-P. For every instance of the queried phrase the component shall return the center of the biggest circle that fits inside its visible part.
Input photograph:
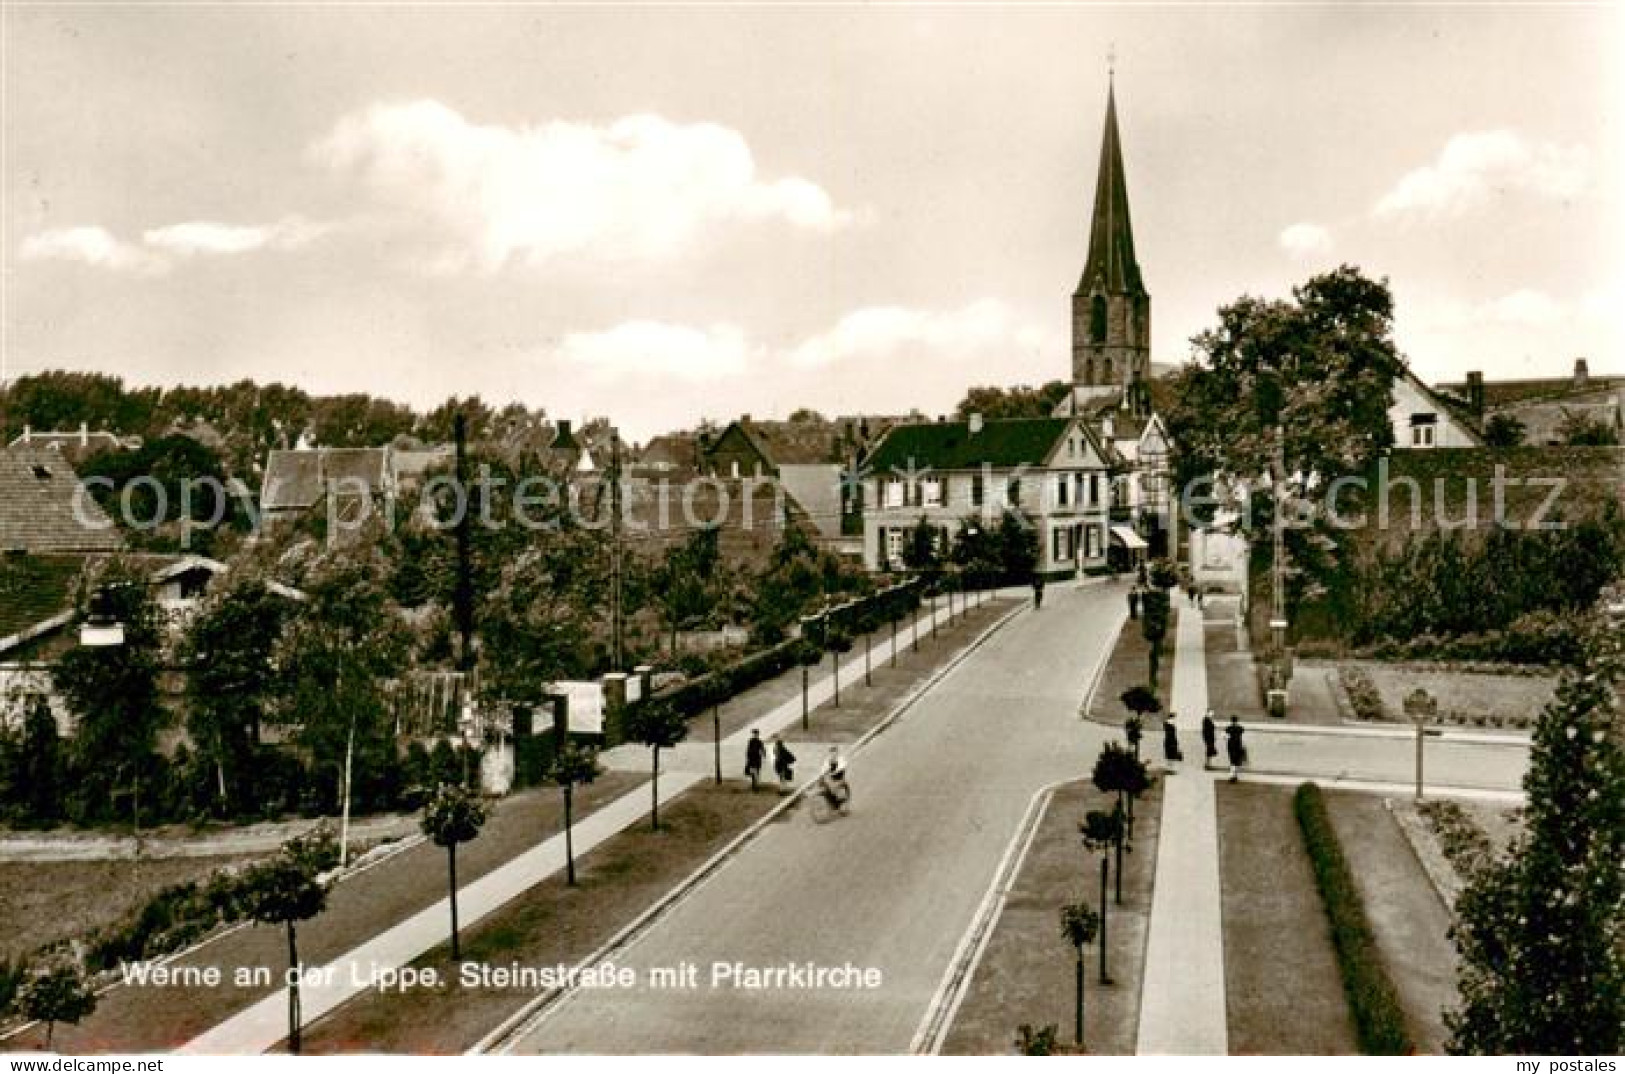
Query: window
(733, 468)
(894, 545)
(1071, 447)
(1078, 490)
(1094, 488)
(1061, 484)
(1091, 542)
(931, 492)
(894, 493)
(976, 490)
(1097, 318)
(1012, 493)
(1422, 426)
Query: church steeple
(1111, 311)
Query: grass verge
(1026, 973)
(551, 924)
(1130, 665)
(1379, 1019)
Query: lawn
(1470, 699)
(1408, 919)
(1284, 995)
(1130, 665)
(1026, 974)
(44, 902)
(549, 925)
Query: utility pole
(1281, 672)
(463, 596)
(615, 580)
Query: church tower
(1111, 311)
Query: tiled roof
(297, 479)
(1504, 393)
(42, 507)
(949, 445)
(35, 588)
(794, 443)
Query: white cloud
(1524, 308)
(1306, 240)
(1475, 167)
(640, 188)
(652, 349)
(205, 237)
(883, 332)
(93, 246)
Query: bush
(1362, 693)
(1372, 998)
(1462, 840)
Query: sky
(673, 212)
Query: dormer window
(43, 473)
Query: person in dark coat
(783, 762)
(1170, 742)
(1038, 591)
(1134, 603)
(755, 753)
(1210, 738)
(1234, 747)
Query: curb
(956, 980)
(534, 1012)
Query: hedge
(854, 618)
(1372, 998)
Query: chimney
(744, 419)
(975, 424)
(1582, 375)
(1475, 392)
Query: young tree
(658, 725)
(286, 889)
(1079, 924)
(808, 655)
(1102, 834)
(839, 643)
(573, 765)
(58, 991)
(453, 815)
(1155, 611)
(1119, 772)
(338, 654)
(1541, 932)
(232, 680)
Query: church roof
(1111, 235)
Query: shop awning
(1126, 536)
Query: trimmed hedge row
(1378, 1017)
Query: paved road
(893, 886)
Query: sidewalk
(1182, 1001)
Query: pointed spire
(1111, 236)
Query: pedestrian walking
(1134, 603)
(1201, 596)
(1210, 738)
(783, 763)
(1038, 591)
(1170, 742)
(1235, 747)
(755, 753)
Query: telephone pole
(615, 567)
(463, 596)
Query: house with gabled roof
(1054, 471)
(44, 508)
(299, 479)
